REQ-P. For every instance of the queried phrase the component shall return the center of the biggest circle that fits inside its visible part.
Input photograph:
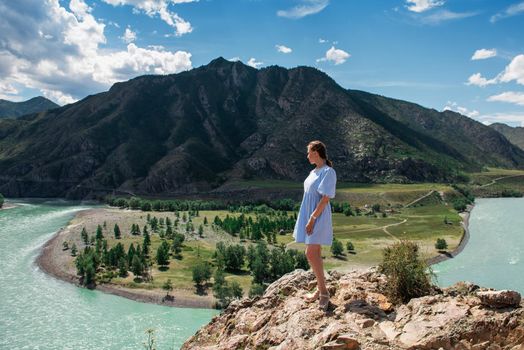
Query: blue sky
(467, 56)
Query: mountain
(514, 134)
(34, 105)
(193, 131)
(462, 316)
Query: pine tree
(122, 267)
(84, 236)
(162, 255)
(136, 266)
(167, 286)
(73, 250)
(117, 231)
(99, 234)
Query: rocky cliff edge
(463, 316)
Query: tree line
(245, 227)
(185, 205)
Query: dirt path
(499, 178)
(420, 198)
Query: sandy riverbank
(58, 263)
(463, 241)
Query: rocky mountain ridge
(514, 134)
(9, 109)
(195, 131)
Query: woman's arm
(324, 200)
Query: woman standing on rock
(314, 226)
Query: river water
(494, 254)
(38, 311)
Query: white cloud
(445, 15)
(161, 8)
(482, 54)
(283, 49)
(334, 55)
(322, 41)
(307, 7)
(513, 71)
(509, 96)
(422, 5)
(234, 59)
(509, 12)
(71, 64)
(478, 80)
(129, 36)
(254, 63)
(453, 106)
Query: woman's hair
(321, 149)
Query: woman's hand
(309, 226)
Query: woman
(314, 226)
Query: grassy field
(422, 223)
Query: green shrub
(407, 275)
(441, 244)
(337, 248)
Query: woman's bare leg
(314, 256)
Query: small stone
(500, 298)
(349, 340)
(366, 323)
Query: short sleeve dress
(319, 182)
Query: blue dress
(319, 182)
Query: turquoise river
(494, 255)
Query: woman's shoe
(311, 297)
(323, 302)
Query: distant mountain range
(193, 131)
(34, 105)
(514, 134)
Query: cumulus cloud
(337, 56)
(159, 8)
(453, 106)
(254, 63)
(70, 64)
(482, 54)
(129, 36)
(283, 49)
(511, 11)
(509, 96)
(478, 80)
(306, 8)
(422, 5)
(514, 71)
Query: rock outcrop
(463, 316)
